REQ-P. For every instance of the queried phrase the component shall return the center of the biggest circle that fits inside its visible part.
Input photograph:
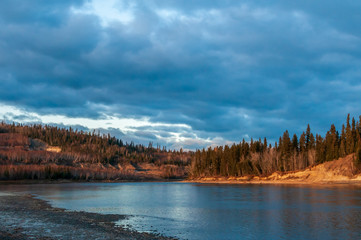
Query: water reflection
(195, 211)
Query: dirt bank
(341, 171)
(24, 217)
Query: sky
(184, 74)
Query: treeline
(53, 172)
(290, 153)
(20, 145)
(89, 147)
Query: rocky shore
(24, 217)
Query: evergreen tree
(308, 136)
(295, 142)
(342, 151)
(349, 137)
(332, 144)
(265, 146)
(354, 136)
(286, 151)
(320, 150)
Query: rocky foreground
(24, 217)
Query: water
(200, 211)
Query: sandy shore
(340, 171)
(24, 217)
(272, 182)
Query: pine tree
(354, 135)
(265, 146)
(332, 144)
(312, 141)
(308, 136)
(295, 142)
(303, 151)
(342, 151)
(286, 151)
(302, 143)
(320, 149)
(349, 138)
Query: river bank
(25, 217)
(257, 180)
(340, 171)
(60, 181)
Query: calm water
(193, 211)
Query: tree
(303, 151)
(320, 149)
(349, 138)
(286, 151)
(265, 146)
(308, 136)
(342, 151)
(295, 142)
(332, 144)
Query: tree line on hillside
(92, 147)
(288, 154)
(256, 157)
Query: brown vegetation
(82, 156)
(52, 171)
(341, 170)
(31, 150)
(288, 154)
(92, 172)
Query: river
(215, 212)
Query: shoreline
(274, 182)
(25, 217)
(60, 181)
(214, 180)
(340, 171)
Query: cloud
(226, 70)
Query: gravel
(24, 217)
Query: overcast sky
(181, 73)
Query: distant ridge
(46, 152)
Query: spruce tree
(308, 136)
(295, 142)
(349, 138)
(320, 149)
(265, 146)
(342, 151)
(286, 151)
(303, 151)
(354, 136)
(332, 144)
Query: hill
(45, 152)
(337, 171)
(257, 157)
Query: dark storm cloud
(42, 12)
(228, 69)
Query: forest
(93, 147)
(26, 152)
(290, 153)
